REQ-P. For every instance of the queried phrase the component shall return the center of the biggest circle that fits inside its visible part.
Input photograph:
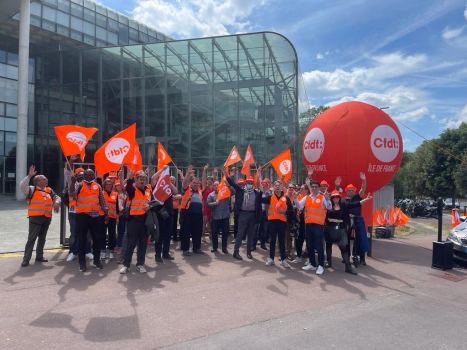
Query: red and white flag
(162, 191)
(247, 161)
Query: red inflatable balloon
(351, 138)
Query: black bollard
(442, 251)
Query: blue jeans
(216, 227)
(120, 233)
(314, 240)
(73, 241)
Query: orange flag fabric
(403, 219)
(377, 218)
(247, 161)
(162, 191)
(223, 191)
(137, 163)
(283, 165)
(455, 217)
(163, 157)
(116, 151)
(73, 139)
(234, 157)
(396, 216)
(390, 217)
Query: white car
(448, 204)
(458, 236)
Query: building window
(2, 73)
(100, 43)
(12, 72)
(122, 19)
(101, 9)
(12, 59)
(78, 2)
(122, 34)
(133, 34)
(76, 35)
(89, 29)
(112, 14)
(48, 25)
(133, 24)
(10, 124)
(101, 33)
(112, 38)
(89, 16)
(113, 25)
(63, 5)
(2, 127)
(76, 24)
(10, 142)
(49, 14)
(63, 31)
(90, 4)
(63, 19)
(89, 40)
(76, 10)
(2, 56)
(35, 21)
(143, 28)
(101, 20)
(11, 110)
(2, 108)
(36, 9)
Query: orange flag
(73, 139)
(116, 151)
(234, 157)
(162, 190)
(163, 157)
(137, 162)
(223, 191)
(377, 219)
(390, 218)
(383, 214)
(247, 161)
(403, 219)
(283, 165)
(396, 216)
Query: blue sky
(410, 56)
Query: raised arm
(156, 175)
(190, 173)
(362, 190)
(204, 180)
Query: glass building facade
(197, 97)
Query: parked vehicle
(421, 209)
(448, 204)
(458, 236)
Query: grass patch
(446, 228)
(401, 230)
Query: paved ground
(211, 301)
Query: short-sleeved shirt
(354, 211)
(195, 204)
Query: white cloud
(196, 18)
(321, 84)
(453, 123)
(319, 56)
(465, 12)
(406, 140)
(452, 33)
(413, 115)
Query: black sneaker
(198, 251)
(159, 259)
(225, 251)
(186, 253)
(82, 268)
(97, 266)
(213, 250)
(168, 257)
(25, 263)
(41, 260)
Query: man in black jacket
(248, 208)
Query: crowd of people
(109, 219)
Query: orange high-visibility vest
(40, 204)
(272, 213)
(139, 201)
(299, 197)
(176, 203)
(71, 201)
(314, 213)
(111, 201)
(88, 199)
(186, 198)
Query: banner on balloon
(247, 161)
(116, 151)
(162, 191)
(283, 165)
(73, 139)
(137, 163)
(163, 157)
(233, 158)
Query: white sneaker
(320, 270)
(309, 267)
(111, 256)
(141, 269)
(307, 262)
(103, 256)
(179, 246)
(270, 262)
(89, 256)
(233, 240)
(124, 269)
(297, 260)
(285, 263)
(71, 257)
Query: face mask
(249, 187)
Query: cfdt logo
(116, 150)
(234, 155)
(313, 145)
(248, 156)
(285, 166)
(77, 138)
(385, 143)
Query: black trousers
(137, 234)
(235, 225)
(38, 227)
(216, 227)
(83, 223)
(165, 233)
(301, 237)
(277, 229)
(192, 225)
(175, 222)
(262, 232)
(111, 228)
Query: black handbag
(333, 233)
(164, 213)
(126, 213)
